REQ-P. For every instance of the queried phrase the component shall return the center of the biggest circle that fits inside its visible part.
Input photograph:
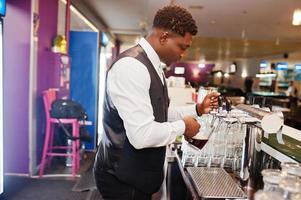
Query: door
(84, 76)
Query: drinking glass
(205, 133)
(291, 187)
(267, 195)
(204, 156)
(200, 139)
(189, 154)
(218, 144)
(237, 159)
(271, 179)
(296, 197)
(230, 138)
(211, 90)
(291, 168)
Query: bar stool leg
(78, 147)
(74, 150)
(45, 149)
(50, 150)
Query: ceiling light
(201, 65)
(226, 75)
(277, 41)
(297, 17)
(243, 34)
(213, 22)
(82, 17)
(195, 72)
(244, 74)
(265, 75)
(219, 74)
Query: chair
(48, 97)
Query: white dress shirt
(128, 84)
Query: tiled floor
(25, 188)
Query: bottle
(63, 45)
(69, 158)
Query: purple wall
(16, 85)
(17, 25)
(192, 72)
(48, 64)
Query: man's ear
(163, 37)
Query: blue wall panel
(84, 75)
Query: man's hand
(191, 127)
(210, 102)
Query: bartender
(138, 122)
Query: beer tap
(228, 104)
(269, 122)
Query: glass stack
(284, 184)
(225, 135)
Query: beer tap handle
(228, 104)
(280, 136)
(214, 117)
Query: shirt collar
(151, 53)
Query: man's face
(173, 46)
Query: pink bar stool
(48, 97)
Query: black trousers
(113, 189)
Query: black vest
(141, 168)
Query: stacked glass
(268, 195)
(285, 183)
(291, 187)
(291, 168)
(271, 179)
(224, 147)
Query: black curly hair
(176, 19)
